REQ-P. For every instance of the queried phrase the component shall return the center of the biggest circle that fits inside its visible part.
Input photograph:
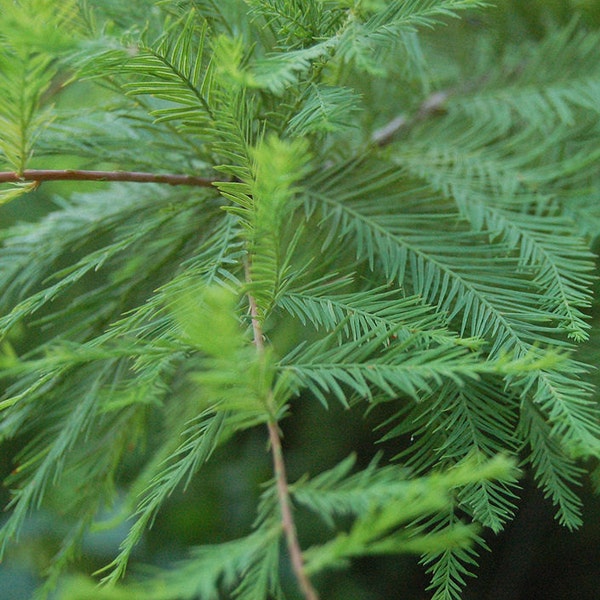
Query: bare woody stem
(287, 519)
(40, 175)
(283, 492)
(432, 105)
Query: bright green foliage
(393, 220)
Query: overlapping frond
(113, 216)
(174, 69)
(170, 467)
(543, 85)
(298, 23)
(380, 31)
(202, 575)
(381, 509)
(325, 109)
(359, 312)
(493, 190)
(557, 473)
(450, 425)
(502, 308)
(376, 364)
(444, 265)
(416, 255)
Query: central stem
(283, 492)
(287, 518)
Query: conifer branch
(283, 493)
(41, 175)
(442, 266)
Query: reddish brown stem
(283, 492)
(256, 327)
(39, 175)
(287, 519)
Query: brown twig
(40, 175)
(287, 519)
(432, 105)
(283, 492)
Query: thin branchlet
(432, 105)
(283, 493)
(41, 175)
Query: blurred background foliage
(533, 558)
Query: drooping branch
(41, 175)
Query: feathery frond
(209, 568)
